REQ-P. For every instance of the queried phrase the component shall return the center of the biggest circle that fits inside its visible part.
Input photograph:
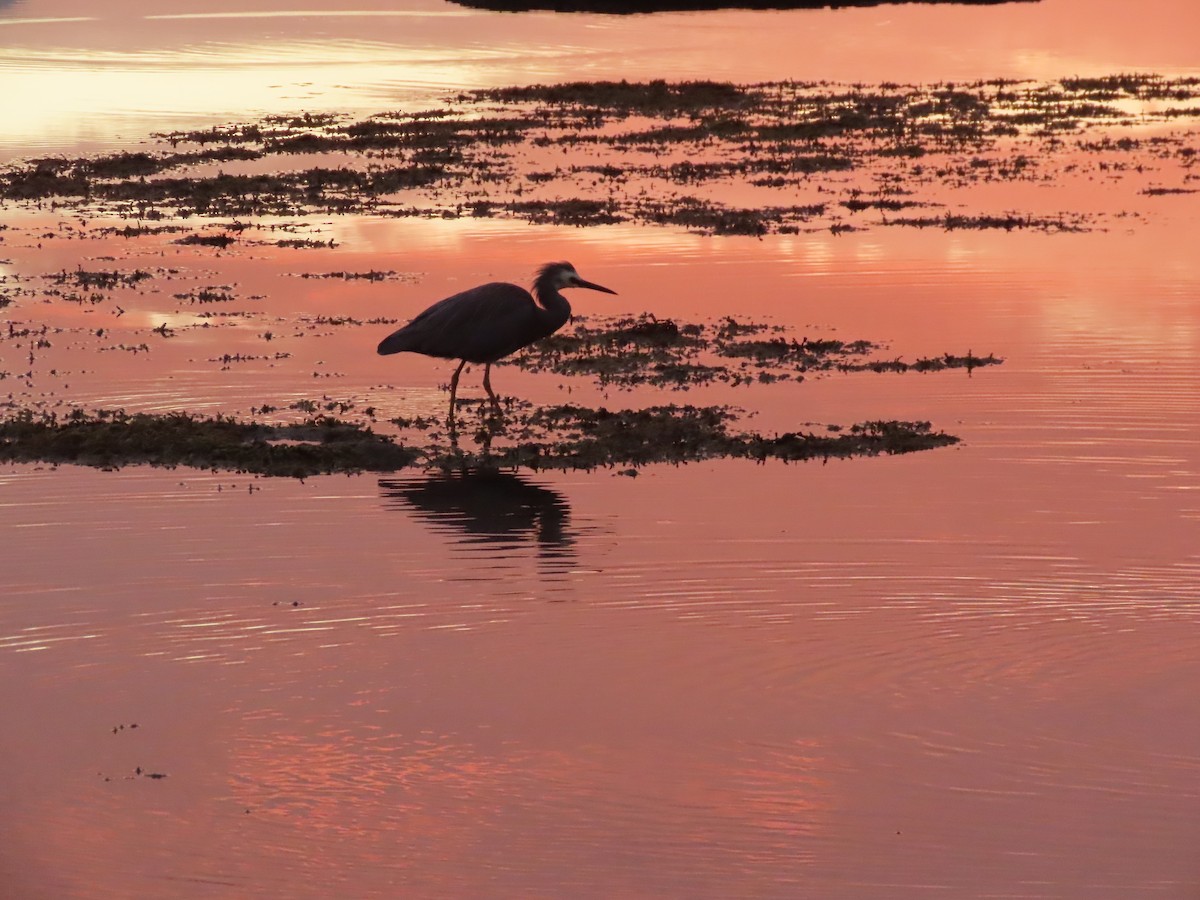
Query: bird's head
(559, 275)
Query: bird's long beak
(593, 287)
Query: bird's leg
(487, 385)
(454, 391)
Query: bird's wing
(479, 325)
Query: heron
(488, 322)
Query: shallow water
(598, 684)
(967, 672)
(75, 76)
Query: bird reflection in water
(490, 508)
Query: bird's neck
(557, 309)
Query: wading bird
(487, 323)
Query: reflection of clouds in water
(488, 508)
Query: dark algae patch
(114, 439)
(801, 156)
(630, 7)
(555, 437)
(99, 280)
(627, 352)
(574, 437)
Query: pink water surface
(964, 673)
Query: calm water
(76, 74)
(964, 673)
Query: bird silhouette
(488, 322)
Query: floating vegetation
(114, 439)
(134, 231)
(220, 241)
(642, 7)
(1007, 222)
(99, 280)
(556, 437)
(346, 320)
(210, 294)
(808, 156)
(626, 352)
(372, 275)
(128, 348)
(227, 359)
(584, 438)
(305, 244)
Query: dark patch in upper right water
(631, 7)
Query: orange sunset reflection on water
(101, 77)
(966, 672)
